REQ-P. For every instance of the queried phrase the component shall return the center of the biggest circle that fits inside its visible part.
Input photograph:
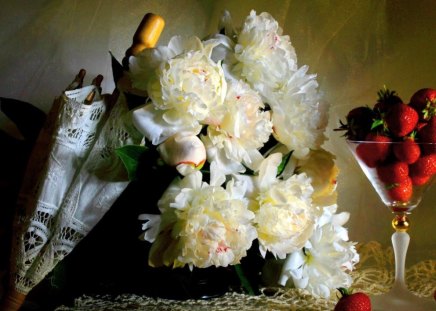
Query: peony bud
(183, 149)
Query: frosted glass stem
(400, 242)
(399, 298)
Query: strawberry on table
(353, 301)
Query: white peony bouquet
(243, 126)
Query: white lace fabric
(374, 275)
(72, 179)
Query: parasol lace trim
(73, 178)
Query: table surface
(374, 275)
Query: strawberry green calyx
(411, 136)
(424, 102)
(386, 98)
(430, 109)
(377, 122)
(344, 291)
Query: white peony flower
(263, 57)
(267, 61)
(187, 91)
(243, 130)
(202, 224)
(142, 67)
(284, 215)
(324, 262)
(223, 98)
(298, 115)
(190, 85)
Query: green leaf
(283, 164)
(130, 156)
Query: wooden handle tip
(12, 301)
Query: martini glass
(400, 202)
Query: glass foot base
(401, 302)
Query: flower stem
(244, 281)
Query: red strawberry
(386, 99)
(425, 166)
(427, 134)
(375, 152)
(394, 172)
(420, 180)
(401, 191)
(407, 151)
(353, 301)
(424, 102)
(358, 125)
(401, 119)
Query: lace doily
(374, 275)
(73, 177)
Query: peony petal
(268, 170)
(323, 291)
(180, 44)
(249, 183)
(149, 121)
(341, 219)
(284, 277)
(223, 46)
(294, 261)
(256, 159)
(217, 177)
(151, 226)
(301, 283)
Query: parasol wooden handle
(78, 81)
(13, 301)
(146, 36)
